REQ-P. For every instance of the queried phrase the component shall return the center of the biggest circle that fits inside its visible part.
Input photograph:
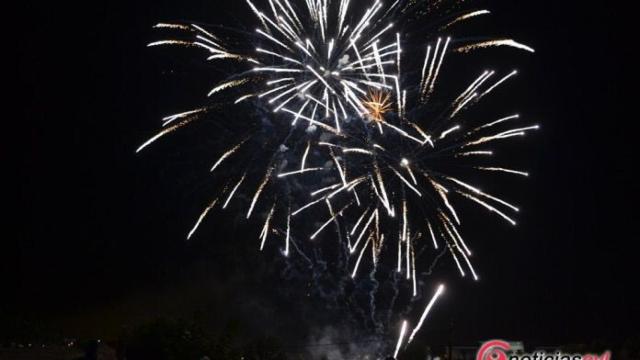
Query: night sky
(95, 234)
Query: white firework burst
(376, 163)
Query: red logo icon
(493, 350)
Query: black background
(98, 241)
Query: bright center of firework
(321, 71)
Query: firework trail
(350, 119)
(403, 332)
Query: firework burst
(351, 135)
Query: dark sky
(95, 234)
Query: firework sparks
(361, 135)
(467, 16)
(426, 312)
(495, 43)
(403, 332)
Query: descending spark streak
(314, 72)
(264, 182)
(234, 191)
(463, 104)
(258, 13)
(357, 150)
(200, 29)
(227, 154)
(455, 258)
(464, 256)
(340, 171)
(405, 164)
(171, 42)
(331, 219)
(426, 312)
(295, 119)
(344, 6)
(473, 272)
(477, 191)
(426, 81)
(274, 90)
(499, 82)
(357, 265)
(494, 123)
(433, 237)
(171, 118)
(348, 187)
(406, 182)
(286, 249)
(455, 236)
(202, 216)
(265, 228)
(374, 38)
(442, 191)
(413, 274)
(458, 237)
(355, 227)
(227, 85)
(523, 173)
(307, 206)
(442, 54)
(449, 131)
(384, 198)
(170, 26)
(467, 16)
(243, 98)
(403, 331)
(399, 255)
(163, 133)
(336, 117)
(276, 70)
(272, 82)
(503, 135)
(355, 246)
(492, 43)
(304, 156)
(488, 207)
(402, 132)
(290, 13)
(297, 172)
(330, 50)
(429, 82)
(478, 82)
(473, 87)
(470, 153)
(403, 236)
(408, 257)
(424, 67)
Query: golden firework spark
(378, 103)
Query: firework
(426, 311)
(360, 143)
(403, 332)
